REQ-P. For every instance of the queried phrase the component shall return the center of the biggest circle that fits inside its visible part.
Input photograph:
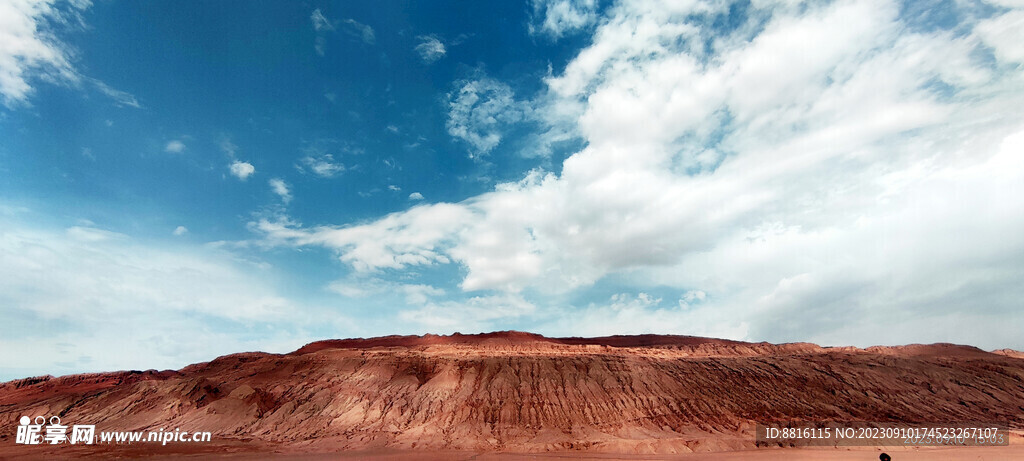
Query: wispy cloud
(479, 313)
(179, 231)
(362, 287)
(320, 22)
(30, 50)
(322, 165)
(115, 292)
(175, 146)
(359, 31)
(556, 18)
(229, 148)
(321, 26)
(355, 29)
(121, 98)
(479, 111)
(430, 48)
(279, 187)
(1004, 34)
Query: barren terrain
(524, 396)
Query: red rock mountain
(513, 391)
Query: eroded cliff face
(520, 392)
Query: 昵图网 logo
(36, 431)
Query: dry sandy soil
(512, 395)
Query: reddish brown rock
(512, 391)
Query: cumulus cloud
(824, 173)
(415, 196)
(241, 170)
(479, 111)
(430, 48)
(279, 187)
(175, 147)
(180, 230)
(556, 18)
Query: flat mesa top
(512, 338)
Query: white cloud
(480, 110)
(175, 147)
(624, 313)
(1007, 3)
(692, 298)
(415, 196)
(360, 31)
(1005, 34)
(480, 313)
(420, 293)
(362, 287)
(322, 165)
(121, 98)
(411, 238)
(320, 22)
(29, 49)
(560, 17)
(242, 170)
(279, 187)
(228, 147)
(180, 230)
(430, 49)
(322, 26)
(830, 174)
(84, 292)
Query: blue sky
(180, 180)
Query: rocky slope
(512, 391)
